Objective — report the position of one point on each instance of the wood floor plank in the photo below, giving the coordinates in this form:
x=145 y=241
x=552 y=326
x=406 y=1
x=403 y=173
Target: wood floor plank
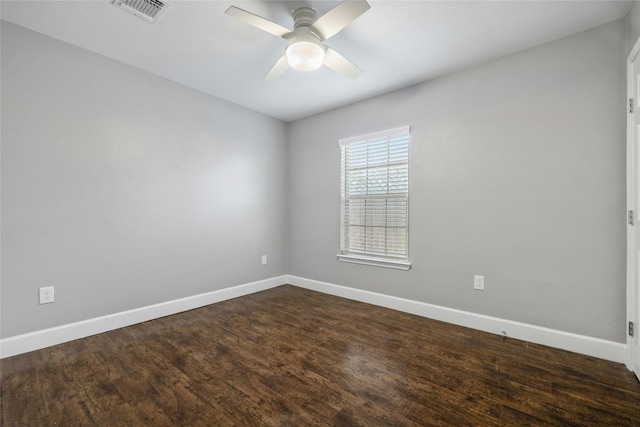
x=293 y=357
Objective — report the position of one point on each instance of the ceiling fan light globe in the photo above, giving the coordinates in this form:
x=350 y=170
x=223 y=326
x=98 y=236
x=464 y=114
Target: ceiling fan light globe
x=305 y=55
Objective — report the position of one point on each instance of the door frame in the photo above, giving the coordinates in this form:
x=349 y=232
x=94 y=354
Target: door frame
x=632 y=356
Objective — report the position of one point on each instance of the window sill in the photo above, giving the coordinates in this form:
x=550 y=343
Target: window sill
x=376 y=262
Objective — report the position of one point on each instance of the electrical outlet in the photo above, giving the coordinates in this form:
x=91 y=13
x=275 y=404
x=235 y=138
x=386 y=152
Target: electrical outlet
x=46 y=295
x=264 y=260
x=478 y=283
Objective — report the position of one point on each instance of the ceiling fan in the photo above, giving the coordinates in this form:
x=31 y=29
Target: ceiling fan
x=305 y=49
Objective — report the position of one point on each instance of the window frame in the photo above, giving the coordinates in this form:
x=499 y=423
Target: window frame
x=344 y=253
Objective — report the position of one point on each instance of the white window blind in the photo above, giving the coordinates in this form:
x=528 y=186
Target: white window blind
x=374 y=214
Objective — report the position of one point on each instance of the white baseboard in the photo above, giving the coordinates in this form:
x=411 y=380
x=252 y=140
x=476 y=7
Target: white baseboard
x=595 y=347
x=47 y=337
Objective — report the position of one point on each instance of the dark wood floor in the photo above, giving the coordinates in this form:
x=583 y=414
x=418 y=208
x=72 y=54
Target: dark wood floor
x=292 y=357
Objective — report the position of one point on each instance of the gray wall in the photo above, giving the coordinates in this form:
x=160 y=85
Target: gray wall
x=123 y=189
x=633 y=25
x=517 y=172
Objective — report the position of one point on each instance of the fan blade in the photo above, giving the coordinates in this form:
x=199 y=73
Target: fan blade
x=339 y=63
x=258 y=22
x=339 y=17
x=278 y=69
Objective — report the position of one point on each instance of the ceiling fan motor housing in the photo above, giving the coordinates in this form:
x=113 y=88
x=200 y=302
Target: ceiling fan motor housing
x=304 y=17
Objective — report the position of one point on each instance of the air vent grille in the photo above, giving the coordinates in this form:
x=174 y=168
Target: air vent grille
x=149 y=10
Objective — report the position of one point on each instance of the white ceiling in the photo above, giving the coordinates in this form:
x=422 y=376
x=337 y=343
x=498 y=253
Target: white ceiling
x=396 y=43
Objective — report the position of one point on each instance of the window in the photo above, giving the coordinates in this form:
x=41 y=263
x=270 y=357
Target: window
x=374 y=208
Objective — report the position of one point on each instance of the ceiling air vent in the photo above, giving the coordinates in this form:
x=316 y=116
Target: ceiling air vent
x=149 y=10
